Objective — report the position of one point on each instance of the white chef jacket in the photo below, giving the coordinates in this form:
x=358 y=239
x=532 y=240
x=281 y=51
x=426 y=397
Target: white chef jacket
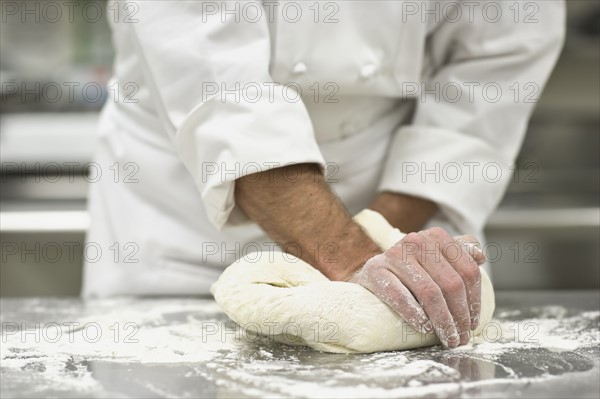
x=424 y=98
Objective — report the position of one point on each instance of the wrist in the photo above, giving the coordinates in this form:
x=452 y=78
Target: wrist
x=352 y=252
x=405 y=212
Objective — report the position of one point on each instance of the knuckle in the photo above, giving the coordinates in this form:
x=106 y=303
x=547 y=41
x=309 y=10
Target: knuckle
x=395 y=251
x=417 y=238
x=454 y=285
x=410 y=237
x=372 y=266
x=409 y=246
x=437 y=232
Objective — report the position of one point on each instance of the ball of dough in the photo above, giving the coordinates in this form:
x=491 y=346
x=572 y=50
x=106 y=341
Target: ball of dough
x=280 y=296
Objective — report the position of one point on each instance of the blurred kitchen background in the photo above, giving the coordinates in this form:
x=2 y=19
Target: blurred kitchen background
x=545 y=235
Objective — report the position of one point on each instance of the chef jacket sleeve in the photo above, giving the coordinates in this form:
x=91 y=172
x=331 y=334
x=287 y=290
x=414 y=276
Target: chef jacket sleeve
x=459 y=148
x=207 y=65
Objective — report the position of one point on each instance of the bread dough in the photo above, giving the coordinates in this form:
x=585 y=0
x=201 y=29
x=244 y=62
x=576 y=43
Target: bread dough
x=278 y=295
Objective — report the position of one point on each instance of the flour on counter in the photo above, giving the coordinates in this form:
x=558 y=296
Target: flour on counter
x=195 y=336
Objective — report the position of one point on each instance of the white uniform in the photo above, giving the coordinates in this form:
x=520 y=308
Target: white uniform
x=410 y=97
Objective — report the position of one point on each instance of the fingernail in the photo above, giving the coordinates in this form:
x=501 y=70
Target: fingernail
x=453 y=341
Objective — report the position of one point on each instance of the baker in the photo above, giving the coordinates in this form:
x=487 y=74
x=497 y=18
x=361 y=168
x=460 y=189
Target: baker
x=235 y=129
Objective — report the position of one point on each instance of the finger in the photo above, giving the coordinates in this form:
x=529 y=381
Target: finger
x=449 y=280
x=466 y=268
x=386 y=286
x=472 y=246
x=424 y=289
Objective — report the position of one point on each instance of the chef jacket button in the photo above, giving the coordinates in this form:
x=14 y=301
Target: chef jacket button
x=368 y=70
x=299 y=68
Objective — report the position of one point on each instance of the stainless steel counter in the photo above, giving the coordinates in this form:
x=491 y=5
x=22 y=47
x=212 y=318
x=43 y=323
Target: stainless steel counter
x=540 y=344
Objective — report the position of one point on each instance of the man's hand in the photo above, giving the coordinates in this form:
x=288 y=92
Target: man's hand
x=432 y=281
x=427 y=278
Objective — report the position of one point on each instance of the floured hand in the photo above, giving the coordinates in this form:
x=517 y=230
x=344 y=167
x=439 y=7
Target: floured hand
x=432 y=281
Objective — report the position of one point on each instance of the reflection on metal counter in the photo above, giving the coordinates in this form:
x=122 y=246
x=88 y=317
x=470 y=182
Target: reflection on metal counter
x=540 y=344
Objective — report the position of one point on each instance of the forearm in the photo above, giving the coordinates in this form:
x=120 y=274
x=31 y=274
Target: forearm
x=298 y=210
x=405 y=212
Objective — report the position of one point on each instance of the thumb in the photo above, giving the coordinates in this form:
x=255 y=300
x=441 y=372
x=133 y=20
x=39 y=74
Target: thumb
x=472 y=246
